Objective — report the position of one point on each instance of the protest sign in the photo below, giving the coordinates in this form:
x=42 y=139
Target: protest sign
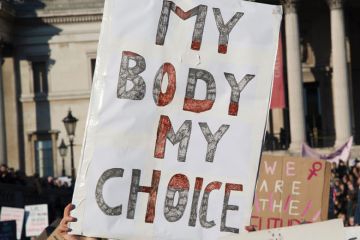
x=8 y=230
x=352 y=233
x=328 y=230
x=172 y=141
x=17 y=214
x=289 y=191
x=37 y=219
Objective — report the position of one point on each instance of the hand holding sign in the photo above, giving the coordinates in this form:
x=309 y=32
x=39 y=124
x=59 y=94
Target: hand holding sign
x=63 y=228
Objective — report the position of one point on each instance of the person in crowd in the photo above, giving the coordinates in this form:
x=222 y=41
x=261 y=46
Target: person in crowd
x=10 y=176
x=4 y=174
x=346 y=184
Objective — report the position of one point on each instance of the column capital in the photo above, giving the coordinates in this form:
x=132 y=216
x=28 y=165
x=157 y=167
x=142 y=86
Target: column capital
x=290 y=6
x=335 y=4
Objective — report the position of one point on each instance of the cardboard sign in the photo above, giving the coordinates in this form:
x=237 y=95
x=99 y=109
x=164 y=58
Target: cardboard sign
x=17 y=214
x=352 y=233
x=290 y=191
x=172 y=142
x=8 y=230
x=37 y=219
x=328 y=230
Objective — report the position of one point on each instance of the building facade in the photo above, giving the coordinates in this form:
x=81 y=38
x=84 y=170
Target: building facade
x=321 y=51
x=48 y=54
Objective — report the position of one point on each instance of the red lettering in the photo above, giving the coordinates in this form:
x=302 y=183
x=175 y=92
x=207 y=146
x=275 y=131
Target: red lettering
x=165 y=98
x=198 y=106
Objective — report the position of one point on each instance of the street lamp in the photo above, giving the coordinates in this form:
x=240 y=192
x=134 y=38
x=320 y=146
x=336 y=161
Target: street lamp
x=63 y=152
x=70 y=125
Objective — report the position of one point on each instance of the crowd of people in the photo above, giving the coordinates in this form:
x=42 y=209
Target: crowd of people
x=10 y=176
x=344 y=199
x=345 y=194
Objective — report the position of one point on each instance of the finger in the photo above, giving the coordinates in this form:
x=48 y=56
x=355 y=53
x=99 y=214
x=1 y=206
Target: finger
x=69 y=219
x=63 y=229
x=68 y=209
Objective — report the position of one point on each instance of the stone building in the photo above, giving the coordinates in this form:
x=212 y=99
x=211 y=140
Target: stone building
x=48 y=51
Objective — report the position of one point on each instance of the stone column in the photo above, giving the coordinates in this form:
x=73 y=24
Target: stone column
x=2 y=110
x=294 y=75
x=340 y=84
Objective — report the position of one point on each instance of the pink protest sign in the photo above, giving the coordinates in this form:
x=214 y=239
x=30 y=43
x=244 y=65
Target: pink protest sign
x=290 y=191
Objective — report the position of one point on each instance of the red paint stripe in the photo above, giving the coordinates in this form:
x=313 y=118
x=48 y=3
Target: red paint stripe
x=179 y=182
x=164 y=126
x=197 y=106
x=316 y=216
x=165 y=98
x=222 y=48
x=233 y=108
x=198 y=184
x=308 y=206
x=287 y=203
x=271 y=201
x=213 y=186
x=233 y=187
x=183 y=15
x=128 y=53
x=150 y=210
x=195 y=45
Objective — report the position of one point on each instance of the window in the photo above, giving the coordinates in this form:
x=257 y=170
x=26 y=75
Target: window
x=43 y=158
x=40 y=77
x=93 y=64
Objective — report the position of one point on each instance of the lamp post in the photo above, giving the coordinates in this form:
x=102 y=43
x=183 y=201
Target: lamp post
x=70 y=125
x=63 y=152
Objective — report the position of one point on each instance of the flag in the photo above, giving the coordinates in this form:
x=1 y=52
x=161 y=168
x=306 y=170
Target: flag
x=342 y=153
x=278 y=97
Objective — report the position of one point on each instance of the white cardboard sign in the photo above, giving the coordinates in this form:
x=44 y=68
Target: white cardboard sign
x=37 y=219
x=176 y=120
x=329 y=230
x=17 y=214
x=352 y=233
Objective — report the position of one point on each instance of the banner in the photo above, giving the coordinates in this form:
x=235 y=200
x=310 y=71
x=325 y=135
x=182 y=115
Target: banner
x=328 y=230
x=283 y=193
x=17 y=214
x=342 y=153
x=37 y=219
x=172 y=141
x=278 y=94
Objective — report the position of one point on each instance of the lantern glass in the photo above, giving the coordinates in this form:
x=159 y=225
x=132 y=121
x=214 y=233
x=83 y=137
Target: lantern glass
x=70 y=124
x=63 y=149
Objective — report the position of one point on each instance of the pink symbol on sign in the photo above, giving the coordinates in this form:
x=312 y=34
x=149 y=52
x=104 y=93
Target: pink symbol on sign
x=316 y=167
